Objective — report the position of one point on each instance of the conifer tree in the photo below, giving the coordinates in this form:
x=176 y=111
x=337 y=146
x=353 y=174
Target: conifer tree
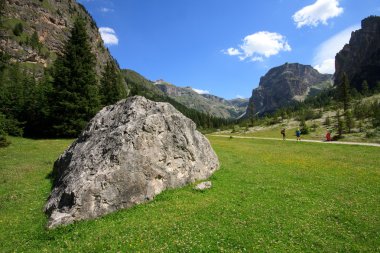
x=350 y=123
x=340 y=125
x=74 y=99
x=344 y=90
x=112 y=87
x=365 y=88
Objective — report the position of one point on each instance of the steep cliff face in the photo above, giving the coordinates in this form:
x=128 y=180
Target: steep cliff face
x=284 y=84
x=50 y=22
x=206 y=103
x=360 y=59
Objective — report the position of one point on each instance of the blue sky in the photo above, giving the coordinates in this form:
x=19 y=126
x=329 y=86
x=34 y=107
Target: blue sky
x=222 y=46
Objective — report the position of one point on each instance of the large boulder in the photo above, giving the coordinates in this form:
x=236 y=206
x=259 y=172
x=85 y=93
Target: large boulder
x=129 y=153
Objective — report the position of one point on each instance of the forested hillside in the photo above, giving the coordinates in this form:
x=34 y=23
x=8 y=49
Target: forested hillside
x=139 y=85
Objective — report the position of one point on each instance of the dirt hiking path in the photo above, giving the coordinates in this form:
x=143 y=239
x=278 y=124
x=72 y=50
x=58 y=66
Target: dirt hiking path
x=303 y=140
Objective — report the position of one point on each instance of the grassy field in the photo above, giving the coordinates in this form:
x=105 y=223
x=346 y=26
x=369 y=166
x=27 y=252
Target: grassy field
x=268 y=196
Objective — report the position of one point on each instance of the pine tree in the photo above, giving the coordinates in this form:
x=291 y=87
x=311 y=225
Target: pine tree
x=344 y=92
x=35 y=42
x=327 y=121
x=112 y=87
x=2 y=14
x=74 y=99
x=304 y=127
x=340 y=125
x=37 y=108
x=350 y=123
x=376 y=114
x=365 y=88
x=18 y=29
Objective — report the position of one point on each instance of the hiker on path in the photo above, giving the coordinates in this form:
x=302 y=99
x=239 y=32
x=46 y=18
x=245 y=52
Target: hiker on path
x=328 y=136
x=283 y=133
x=298 y=134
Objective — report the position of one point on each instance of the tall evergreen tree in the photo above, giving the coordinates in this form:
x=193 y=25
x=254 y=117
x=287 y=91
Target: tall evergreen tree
x=365 y=88
x=344 y=92
x=75 y=98
x=112 y=87
x=2 y=15
x=340 y=123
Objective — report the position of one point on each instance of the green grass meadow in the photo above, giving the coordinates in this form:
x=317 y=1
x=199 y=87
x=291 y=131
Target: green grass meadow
x=268 y=196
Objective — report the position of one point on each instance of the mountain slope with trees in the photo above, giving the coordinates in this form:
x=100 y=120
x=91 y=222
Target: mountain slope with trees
x=141 y=86
x=57 y=98
x=35 y=31
x=206 y=103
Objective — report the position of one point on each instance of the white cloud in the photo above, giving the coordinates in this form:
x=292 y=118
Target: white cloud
x=326 y=67
x=324 y=58
x=201 y=91
x=109 y=36
x=105 y=10
x=318 y=12
x=232 y=51
x=259 y=45
x=239 y=96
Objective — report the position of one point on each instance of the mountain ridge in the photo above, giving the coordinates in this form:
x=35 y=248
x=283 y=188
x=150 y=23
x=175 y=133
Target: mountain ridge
x=206 y=103
x=286 y=83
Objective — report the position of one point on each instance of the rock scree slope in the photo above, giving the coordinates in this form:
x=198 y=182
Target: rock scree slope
x=128 y=153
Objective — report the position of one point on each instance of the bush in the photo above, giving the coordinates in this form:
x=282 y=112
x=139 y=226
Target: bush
x=376 y=114
x=9 y=126
x=327 y=121
x=3 y=140
x=18 y=29
x=304 y=127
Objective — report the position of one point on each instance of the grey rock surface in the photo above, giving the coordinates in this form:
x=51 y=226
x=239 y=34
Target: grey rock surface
x=360 y=58
x=285 y=84
x=52 y=20
x=203 y=186
x=129 y=153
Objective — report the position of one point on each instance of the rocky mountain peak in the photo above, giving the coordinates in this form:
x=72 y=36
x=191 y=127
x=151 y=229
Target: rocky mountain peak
x=283 y=84
x=360 y=58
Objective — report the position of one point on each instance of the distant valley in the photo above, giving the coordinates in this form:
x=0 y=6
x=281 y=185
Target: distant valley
x=206 y=103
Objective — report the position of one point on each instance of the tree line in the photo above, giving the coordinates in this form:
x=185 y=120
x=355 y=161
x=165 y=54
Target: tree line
x=67 y=96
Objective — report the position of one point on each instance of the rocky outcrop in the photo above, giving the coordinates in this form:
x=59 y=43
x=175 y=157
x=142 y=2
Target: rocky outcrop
x=284 y=84
x=129 y=153
x=52 y=20
x=206 y=103
x=360 y=59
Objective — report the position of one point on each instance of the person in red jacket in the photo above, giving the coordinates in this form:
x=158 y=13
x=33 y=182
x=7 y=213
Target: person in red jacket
x=328 y=136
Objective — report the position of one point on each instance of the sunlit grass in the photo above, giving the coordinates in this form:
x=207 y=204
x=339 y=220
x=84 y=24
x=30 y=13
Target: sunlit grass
x=267 y=196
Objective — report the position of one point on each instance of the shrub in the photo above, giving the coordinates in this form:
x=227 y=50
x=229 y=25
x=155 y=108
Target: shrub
x=327 y=121
x=304 y=127
x=3 y=140
x=9 y=126
x=18 y=29
x=376 y=114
